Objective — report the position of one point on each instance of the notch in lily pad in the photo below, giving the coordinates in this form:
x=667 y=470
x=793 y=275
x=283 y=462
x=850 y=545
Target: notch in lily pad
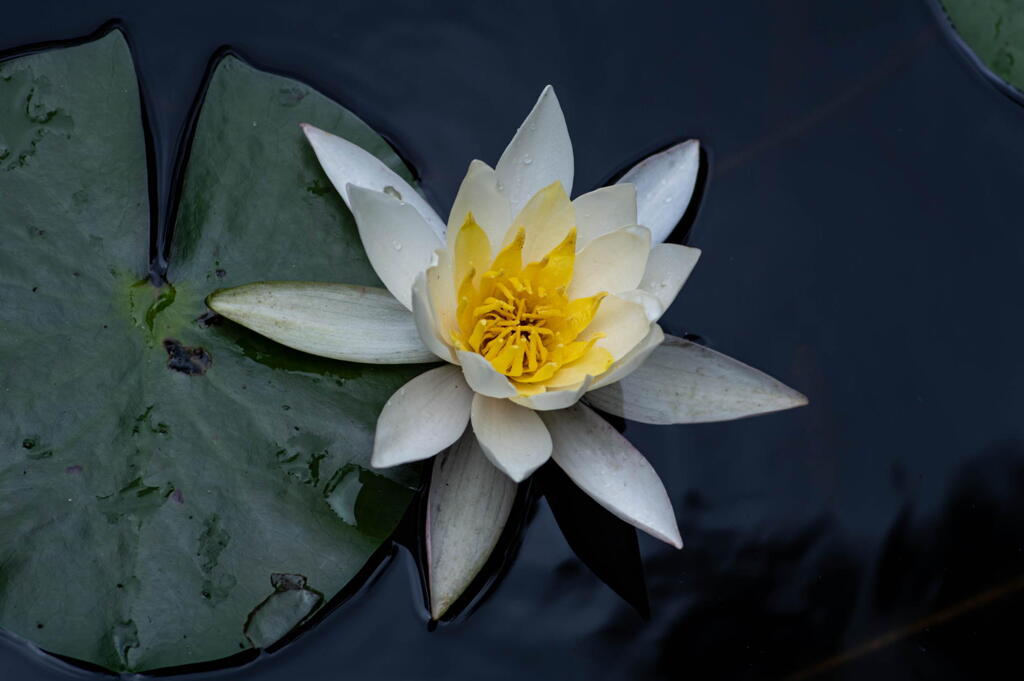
x=163 y=497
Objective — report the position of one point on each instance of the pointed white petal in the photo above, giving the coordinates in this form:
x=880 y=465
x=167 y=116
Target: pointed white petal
x=539 y=154
x=346 y=163
x=611 y=263
x=668 y=268
x=426 y=324
x=682 y=382
x=604 y=210
x=467 y=508
x=513 y=437
x=608 y=468
x=555 y=399
x=339 y=321
x=397 y=241
x=633 y=359
x=483 y=378
x=423 y=417
x=664 y=186
x=479 y=195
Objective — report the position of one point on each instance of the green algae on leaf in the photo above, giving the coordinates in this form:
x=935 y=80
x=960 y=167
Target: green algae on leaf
x=145 y=499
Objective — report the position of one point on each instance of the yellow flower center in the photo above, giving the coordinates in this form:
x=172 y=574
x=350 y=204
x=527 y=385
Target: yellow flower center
x=519 y=317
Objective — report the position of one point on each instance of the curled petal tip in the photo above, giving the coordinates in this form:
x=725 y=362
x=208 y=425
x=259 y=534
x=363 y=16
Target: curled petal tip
x=664 y=184
x=516 y=476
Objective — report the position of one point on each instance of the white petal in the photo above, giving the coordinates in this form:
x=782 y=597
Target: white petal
x=483 y=378
x=555 y=399
x=397 y=241
x=664 y=186
x=441 y=290
x=539 y=154
x=513 y=437
x=340 y=321
x=648 y=301
x=422 y=417
x=604 y=210
x=633 y=360
x=479 y=195
x=346 y=163
x=608 y=468
x=623 y=323
x=611 y=263
x=426 y=325
x=668 y=268
x=682 y=382
x=467 y=508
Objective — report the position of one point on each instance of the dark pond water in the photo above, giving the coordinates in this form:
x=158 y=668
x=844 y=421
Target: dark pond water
x=863 y=241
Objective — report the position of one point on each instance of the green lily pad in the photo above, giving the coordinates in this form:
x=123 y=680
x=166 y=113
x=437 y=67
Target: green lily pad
x=158 y=470
x=994 y=29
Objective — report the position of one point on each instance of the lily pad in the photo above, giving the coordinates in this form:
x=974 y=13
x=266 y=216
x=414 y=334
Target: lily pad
x=994 y=29
x=159 y=468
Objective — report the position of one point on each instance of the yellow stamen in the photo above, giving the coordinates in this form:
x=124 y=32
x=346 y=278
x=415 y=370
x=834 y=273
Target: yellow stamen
x=518 y=316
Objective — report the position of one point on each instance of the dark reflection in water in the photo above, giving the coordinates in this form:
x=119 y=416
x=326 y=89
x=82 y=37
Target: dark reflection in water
x=862 y=241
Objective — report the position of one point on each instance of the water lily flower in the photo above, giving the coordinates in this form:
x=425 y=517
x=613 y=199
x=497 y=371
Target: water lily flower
x=539 y=305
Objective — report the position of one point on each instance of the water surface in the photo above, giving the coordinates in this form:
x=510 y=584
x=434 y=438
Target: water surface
x=861 y=230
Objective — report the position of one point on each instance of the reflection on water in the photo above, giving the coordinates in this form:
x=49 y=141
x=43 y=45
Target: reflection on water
x=860 y=226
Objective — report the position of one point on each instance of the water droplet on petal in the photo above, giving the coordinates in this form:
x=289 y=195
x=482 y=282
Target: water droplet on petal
x=397 y=245
x=391 y=191
x=527 y=159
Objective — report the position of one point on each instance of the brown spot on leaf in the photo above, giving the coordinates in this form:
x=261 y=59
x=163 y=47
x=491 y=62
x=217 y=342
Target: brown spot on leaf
x=190 y=361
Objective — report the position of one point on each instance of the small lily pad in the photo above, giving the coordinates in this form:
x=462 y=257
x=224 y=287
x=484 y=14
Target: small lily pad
x=158 y=465
x=994 y=29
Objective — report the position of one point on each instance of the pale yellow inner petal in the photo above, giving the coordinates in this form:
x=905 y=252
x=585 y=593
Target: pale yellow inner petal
x=546 y=218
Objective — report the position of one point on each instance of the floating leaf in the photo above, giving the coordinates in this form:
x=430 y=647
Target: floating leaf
x=994 y=29
x=158 y=467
